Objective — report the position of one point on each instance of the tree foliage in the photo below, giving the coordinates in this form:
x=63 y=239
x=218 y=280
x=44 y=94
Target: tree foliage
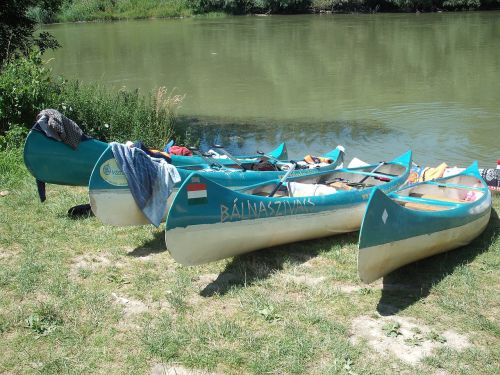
x=18 y=27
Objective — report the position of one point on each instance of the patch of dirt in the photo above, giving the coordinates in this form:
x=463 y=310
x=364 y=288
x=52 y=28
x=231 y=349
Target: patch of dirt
x=213 y=283
x=411 y=340
x=130 y=306
x=304 y=279
x=91 y=262
x=395 y=287
x=162 y=369
x=346 y=288
x=213 y=308
x=204 y=280
x=315 y=281
x=311 y=262
x=10 y=255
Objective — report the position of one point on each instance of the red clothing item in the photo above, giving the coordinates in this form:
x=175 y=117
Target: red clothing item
x=180 y=150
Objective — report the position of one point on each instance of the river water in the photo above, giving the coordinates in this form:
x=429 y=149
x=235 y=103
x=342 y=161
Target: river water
x=377 y=84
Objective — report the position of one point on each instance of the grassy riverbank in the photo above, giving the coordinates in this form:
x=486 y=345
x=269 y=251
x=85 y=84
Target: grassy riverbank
x=80 y=297
x=89 y=10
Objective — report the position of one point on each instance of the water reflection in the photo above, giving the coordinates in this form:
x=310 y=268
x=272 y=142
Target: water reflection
x=361 y=138
x=370 y=139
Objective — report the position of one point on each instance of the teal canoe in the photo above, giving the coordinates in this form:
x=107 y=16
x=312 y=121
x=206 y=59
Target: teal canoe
x=235 y=177
x=112 y=201
x=421 y=220
x=208 y=221
x=54 y=162
x=279 y=153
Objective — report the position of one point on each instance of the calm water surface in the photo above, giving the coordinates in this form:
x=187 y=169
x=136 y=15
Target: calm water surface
x=378 y=84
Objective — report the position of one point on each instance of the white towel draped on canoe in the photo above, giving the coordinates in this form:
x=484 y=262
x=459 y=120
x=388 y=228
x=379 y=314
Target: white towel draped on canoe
x=298 y=189
x=150 y=180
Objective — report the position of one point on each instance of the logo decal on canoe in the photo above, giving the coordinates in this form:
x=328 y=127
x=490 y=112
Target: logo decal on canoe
x=112 y=174
x=251 y=210
x=197 y=193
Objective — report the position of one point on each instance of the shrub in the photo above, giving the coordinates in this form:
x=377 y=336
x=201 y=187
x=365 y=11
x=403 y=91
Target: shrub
x=120 y=116
x=86 y=10
x=26 y=87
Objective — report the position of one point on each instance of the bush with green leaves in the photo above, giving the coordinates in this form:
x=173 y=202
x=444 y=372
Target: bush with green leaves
x=86 y=10
x=27 y=87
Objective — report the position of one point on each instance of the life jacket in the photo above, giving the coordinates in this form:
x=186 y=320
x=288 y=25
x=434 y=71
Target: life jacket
x=309 y=159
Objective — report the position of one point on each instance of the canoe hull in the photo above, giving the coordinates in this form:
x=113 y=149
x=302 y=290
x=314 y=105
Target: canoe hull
x=208 y=222
x=210 y=242
x=55 y=162
x=113 y=203
x=376 y=261
x=279 y=153
x=106 y=203
x=421 y=220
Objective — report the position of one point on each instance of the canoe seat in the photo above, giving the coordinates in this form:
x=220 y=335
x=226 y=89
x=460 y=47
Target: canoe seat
x=426 y=202
x=343 y=184
x=423 y=207
x=437 y=198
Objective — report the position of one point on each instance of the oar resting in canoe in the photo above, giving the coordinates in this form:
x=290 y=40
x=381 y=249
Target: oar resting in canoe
x=421 y=220
x=207 y=221
x=112 y=201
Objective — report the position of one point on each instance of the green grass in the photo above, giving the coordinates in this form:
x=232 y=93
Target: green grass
x=78 y=297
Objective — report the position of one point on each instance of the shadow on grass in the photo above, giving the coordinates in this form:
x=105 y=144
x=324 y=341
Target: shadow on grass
x=81 y=211
x=247 y=269
x=416 y=279
x=154 y=246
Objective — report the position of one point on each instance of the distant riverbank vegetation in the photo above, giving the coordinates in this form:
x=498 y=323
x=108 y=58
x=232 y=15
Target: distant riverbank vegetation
x=88 y=10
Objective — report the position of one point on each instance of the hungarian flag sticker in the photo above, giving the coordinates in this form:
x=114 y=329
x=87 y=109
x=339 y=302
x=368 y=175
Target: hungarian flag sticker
x=196 y=192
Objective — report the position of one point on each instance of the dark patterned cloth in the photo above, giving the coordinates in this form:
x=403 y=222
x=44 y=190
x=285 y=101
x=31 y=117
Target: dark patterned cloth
x=60 y=127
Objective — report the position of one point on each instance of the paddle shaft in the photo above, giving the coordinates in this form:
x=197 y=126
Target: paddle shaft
x=210 y=162
x=373 y=171
x=275 y=160
x=283 y=179
x=230 y=156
